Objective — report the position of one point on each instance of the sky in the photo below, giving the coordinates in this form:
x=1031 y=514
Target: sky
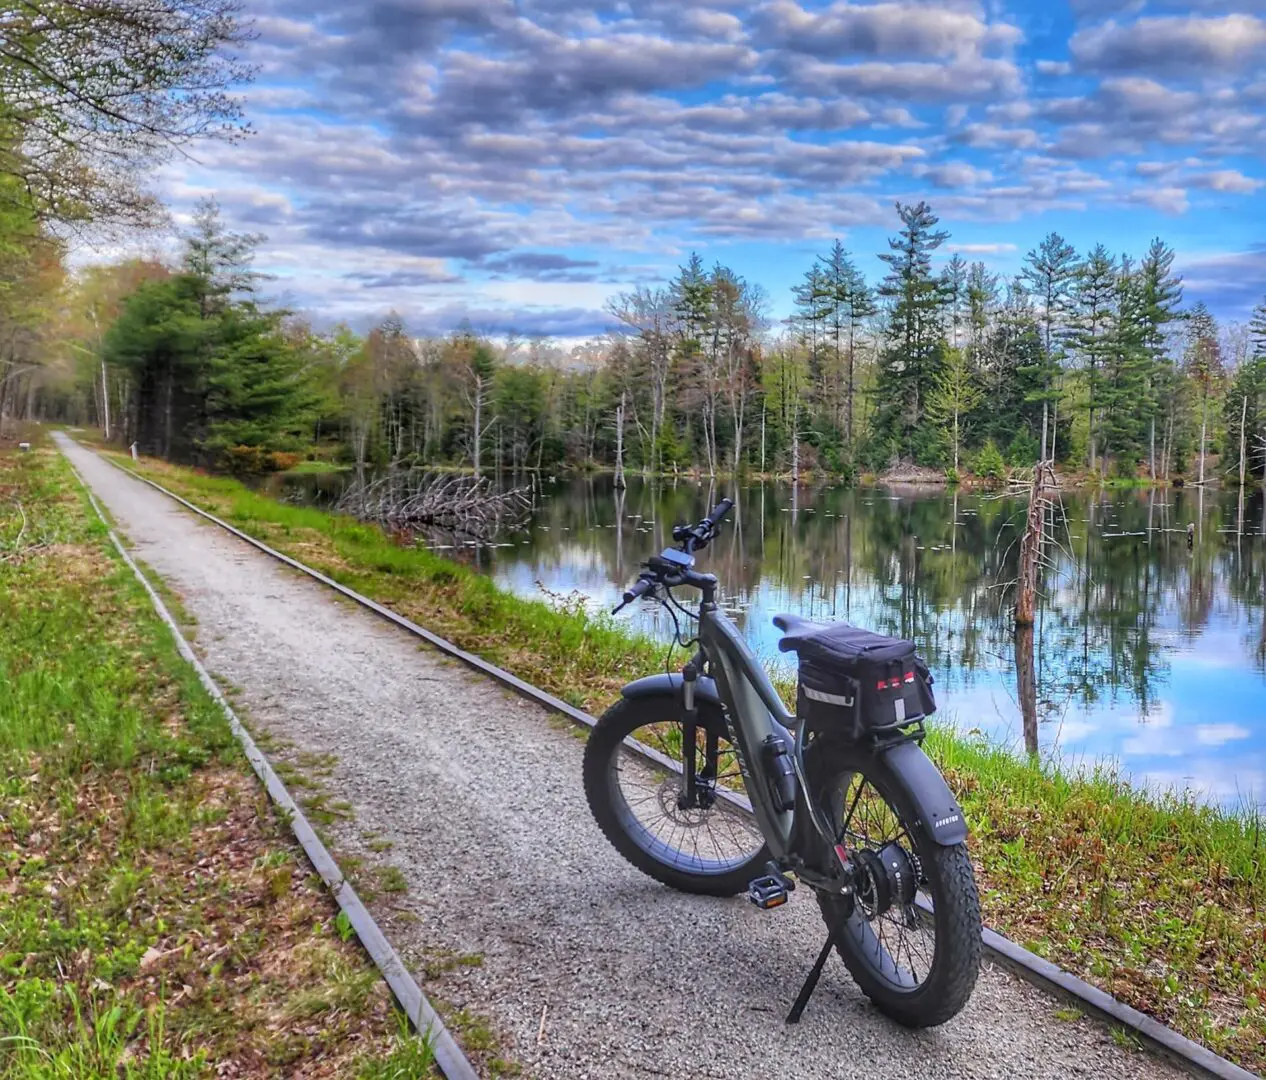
x=516 y=165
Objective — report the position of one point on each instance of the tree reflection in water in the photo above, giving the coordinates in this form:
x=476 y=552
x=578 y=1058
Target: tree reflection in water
x=1128 y=616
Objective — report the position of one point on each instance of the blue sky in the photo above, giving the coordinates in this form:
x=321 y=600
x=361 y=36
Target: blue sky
x=519 y=164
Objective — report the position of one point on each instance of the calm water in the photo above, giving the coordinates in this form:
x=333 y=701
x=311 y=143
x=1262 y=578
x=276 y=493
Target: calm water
x=1147 y=652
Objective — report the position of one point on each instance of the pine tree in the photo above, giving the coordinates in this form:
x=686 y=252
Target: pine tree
x=982 y=300
x=219 y=258
x=692 y=300
x=845 y=300
x=1244 y=411
x=954 y=287
x=1128 y=373
x=257 y=393
x=915 y=347
x=1257 y=330
x=1160 y=293
x=1203 y=363
x=1092 y=334
x=1050 y=272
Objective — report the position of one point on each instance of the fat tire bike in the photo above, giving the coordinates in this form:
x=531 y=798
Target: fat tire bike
x=838 y=801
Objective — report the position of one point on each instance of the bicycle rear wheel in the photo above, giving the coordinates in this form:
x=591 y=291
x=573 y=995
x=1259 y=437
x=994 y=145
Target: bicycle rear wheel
x=712 y=848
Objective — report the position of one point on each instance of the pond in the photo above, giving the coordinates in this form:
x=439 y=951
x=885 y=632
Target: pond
x=1149 y=651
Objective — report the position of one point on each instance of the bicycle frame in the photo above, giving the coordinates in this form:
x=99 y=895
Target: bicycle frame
x=756 y=711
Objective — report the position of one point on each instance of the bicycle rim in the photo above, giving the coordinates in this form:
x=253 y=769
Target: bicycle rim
x=708 y=840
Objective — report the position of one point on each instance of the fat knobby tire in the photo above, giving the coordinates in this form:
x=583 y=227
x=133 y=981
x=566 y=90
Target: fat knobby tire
x=952 y=884
x=617 y=723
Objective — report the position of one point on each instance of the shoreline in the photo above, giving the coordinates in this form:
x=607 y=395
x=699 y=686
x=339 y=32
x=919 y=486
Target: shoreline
x=925 y=480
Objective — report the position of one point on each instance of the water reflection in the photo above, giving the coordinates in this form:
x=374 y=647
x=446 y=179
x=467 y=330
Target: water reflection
x=1145 y=650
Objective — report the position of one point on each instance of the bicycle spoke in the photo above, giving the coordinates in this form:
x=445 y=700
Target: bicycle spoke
x=711 y=838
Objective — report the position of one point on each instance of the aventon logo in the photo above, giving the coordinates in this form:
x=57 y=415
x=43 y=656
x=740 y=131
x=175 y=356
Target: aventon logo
x=945 y=821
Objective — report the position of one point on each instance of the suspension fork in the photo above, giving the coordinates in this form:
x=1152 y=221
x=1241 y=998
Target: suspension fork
x=694 y=793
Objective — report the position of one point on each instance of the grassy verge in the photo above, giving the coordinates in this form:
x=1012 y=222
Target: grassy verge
x=1158 y=900
x=156 y=919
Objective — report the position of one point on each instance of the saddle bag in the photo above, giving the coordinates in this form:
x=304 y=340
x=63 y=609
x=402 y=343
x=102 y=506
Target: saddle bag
x=854 y=682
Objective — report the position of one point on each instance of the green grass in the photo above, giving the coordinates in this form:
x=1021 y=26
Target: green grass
x=153 y=919
x=1153 y=897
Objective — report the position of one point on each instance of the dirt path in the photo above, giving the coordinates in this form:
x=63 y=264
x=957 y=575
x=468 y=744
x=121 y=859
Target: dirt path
x=479 y=793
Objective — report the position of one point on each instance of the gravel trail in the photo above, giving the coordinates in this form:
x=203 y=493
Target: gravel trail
x=479 y=793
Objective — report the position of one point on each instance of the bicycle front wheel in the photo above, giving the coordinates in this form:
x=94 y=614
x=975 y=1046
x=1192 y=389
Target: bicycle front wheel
x=913 y=940
x=711 y=847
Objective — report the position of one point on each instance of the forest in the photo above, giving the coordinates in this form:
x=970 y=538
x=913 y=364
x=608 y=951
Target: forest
x=1090 y=359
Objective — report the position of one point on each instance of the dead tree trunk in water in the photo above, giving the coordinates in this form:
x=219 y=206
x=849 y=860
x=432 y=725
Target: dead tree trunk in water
x=1243 y=441
x=1031 y=543
x=619 y=443
x=1026 y=598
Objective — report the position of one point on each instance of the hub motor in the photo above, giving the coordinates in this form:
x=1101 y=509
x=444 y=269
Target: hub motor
x=885 y=877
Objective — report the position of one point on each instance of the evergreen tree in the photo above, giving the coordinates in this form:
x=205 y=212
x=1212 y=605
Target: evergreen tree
x=1128 y=373
x=1244 y=411
x=1010 y=371
x=954 y=397
x=915 y=345
x=982 y=301
x=691 y=294
x=1203 y=364
x=813 y=307
x=220 y=259
x=1257 y=330
x=954 y=289
x=1050 y=272
x=1092 y=333
x=845 y=302
x=1159 y=294
x=257 y=395
x=159 y=342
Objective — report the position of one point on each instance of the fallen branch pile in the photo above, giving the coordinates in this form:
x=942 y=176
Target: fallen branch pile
x=460 y=504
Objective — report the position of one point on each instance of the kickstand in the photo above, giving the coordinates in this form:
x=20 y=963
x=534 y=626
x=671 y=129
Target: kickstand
x=811 y=983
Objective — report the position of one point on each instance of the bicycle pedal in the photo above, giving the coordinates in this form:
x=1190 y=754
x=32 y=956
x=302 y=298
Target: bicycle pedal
x=769 y=891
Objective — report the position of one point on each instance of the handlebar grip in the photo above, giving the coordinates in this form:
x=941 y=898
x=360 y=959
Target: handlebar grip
x=642 y=587
x=719 y=511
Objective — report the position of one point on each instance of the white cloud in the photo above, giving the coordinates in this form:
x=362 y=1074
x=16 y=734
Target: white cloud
x=1226 y=180
x=1168 y=200
x=980 y=249
x=1189 y=44
x=884 y=29
x=957 y=174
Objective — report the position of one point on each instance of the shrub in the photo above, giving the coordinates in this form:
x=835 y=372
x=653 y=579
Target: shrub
x=989 y=463
x=1023 y=451
x=281 y=460
x=253 y=460
x=243 y=460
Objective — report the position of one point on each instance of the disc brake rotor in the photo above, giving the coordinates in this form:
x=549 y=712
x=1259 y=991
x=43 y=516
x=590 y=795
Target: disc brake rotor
x=667 y=796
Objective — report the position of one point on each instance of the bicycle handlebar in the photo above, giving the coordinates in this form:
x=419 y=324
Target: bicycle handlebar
x=692 y=539
x=718 y=512
x=643 y=586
